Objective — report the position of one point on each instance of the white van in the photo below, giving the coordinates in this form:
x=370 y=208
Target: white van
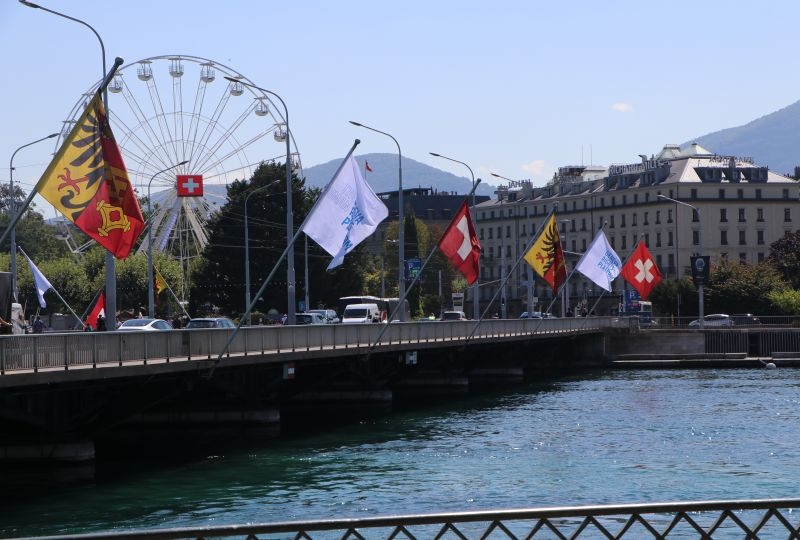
x=361 y=313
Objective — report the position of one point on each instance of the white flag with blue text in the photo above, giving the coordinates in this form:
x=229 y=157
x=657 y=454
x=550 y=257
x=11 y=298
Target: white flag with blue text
x=347 y=212
x=600 y=263
x=41 y=282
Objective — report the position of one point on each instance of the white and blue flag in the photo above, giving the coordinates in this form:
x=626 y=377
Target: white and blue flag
x=600 y=263
x=347 y=212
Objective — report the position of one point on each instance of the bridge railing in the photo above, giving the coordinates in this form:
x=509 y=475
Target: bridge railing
x=768 y=518
x=35 y=352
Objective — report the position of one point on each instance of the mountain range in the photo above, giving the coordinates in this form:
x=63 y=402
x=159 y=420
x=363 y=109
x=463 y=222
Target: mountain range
x=772 y=140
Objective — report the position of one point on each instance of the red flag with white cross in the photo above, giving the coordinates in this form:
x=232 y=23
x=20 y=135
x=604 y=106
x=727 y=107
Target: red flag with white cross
x=190 y=185
x=641 y=271
x=460 y=244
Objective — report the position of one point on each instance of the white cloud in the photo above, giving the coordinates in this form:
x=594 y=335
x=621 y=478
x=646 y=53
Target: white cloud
x=622 y=107
x=535 y=168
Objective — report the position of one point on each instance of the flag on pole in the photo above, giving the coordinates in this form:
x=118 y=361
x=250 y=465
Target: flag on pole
x=600 y=263
x=160 y=282
x=460 y=244
x=347 y=212
x=367 y=167
x=88 y=183
x=546 y=255
x=40 y=282
x=641 y=271
x=98 y=309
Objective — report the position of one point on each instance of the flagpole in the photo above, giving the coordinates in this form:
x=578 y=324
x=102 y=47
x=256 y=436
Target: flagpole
x=54 y=290
x=175 y=296
x=290 y=246
x=15 y=218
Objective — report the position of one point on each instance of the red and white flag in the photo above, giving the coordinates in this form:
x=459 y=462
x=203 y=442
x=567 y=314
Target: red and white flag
x=460 y=243
x=98 y=309
x=367 y=167
x=641 y=271
x=190 y=185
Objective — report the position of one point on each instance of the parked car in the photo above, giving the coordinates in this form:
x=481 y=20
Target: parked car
x=454 y=316
x=745 y=319
x=210 y=322
x=309 y=318
x=715 y=319
x=144 y=325
x=329 y=315
x=537 y=315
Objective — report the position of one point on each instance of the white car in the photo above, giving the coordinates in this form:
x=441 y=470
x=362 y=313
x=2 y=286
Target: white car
x=310 y=318
x=144 y=325
x=329 y=315
x=715 y=319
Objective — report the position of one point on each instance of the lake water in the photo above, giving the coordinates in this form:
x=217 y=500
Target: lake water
x=603 y=438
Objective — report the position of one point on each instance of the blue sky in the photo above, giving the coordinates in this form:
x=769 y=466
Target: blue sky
x=516 y=88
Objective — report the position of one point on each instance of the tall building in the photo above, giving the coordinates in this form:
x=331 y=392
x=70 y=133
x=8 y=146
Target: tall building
x=728 y=207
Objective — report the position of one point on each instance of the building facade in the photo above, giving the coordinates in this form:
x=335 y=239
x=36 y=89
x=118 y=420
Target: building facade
x=729 y=207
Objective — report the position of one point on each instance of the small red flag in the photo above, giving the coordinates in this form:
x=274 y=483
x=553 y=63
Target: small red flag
x=98 y=309
x=190 y=185
x=367 y=167
x=641 y=271
x=460 y=243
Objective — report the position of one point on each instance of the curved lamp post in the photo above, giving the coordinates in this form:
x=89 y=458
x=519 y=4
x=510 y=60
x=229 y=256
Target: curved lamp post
x=247 y=252
x=11 y=209
x=700 y=299
x=475 y=298
x=110 y=261
x=151 y=310
x=401 y=226
x=290 y=283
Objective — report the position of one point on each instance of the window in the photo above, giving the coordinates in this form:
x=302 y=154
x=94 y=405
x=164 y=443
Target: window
x=669 y=215
x=740 y=194
x=499 y=232
x=624 y=200
x=583 y=224
x=646 y=222
x=669 y=238
x=481 y=233
x=741 y=215
x=722 y=194
x=523 y=230
x=693 y=193
x=785 y=194
x=634 y=219
x=760 y=238
x=491 y=253
x=583 y=244
x=723 y=214
x=658 y=239
x=742 y=238
x=695 y=238
x=508 y=231
x=624 y=242
x=695 y=216
x=622 y=220
x=647 y=238
x=759 y=214
x=758 y=194
x=611 y=223
x=490 y=235
x=508 y=251
x=787 y=215
x=658 y=217
x=723 y=238
x=671 y=261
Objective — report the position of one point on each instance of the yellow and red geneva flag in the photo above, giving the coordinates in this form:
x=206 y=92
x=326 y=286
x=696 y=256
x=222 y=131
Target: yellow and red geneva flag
x=546 y=256
x=88 y=183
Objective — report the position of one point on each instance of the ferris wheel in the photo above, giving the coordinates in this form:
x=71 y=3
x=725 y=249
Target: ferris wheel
x=167 y=110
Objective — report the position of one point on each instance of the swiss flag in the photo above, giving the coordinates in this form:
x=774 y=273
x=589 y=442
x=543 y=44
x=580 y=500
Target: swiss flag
x=190 y=185
x=641 y=271
x=460 y=243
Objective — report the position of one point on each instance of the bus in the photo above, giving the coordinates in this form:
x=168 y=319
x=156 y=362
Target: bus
x=386 y=305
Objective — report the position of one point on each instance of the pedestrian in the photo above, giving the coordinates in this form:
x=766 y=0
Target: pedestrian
x=101 y=323
x=38 y=326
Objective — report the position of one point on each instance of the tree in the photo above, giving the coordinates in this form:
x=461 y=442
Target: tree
x=785 y=257
x=742 y=288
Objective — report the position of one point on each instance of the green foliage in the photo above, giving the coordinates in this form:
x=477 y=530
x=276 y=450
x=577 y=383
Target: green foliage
x=675 y=297
x=785 y=257
x=742 y=288
x=785 y=302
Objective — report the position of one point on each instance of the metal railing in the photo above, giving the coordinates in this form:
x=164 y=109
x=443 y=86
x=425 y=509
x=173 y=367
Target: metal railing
x=36 y=352
x=751 y=519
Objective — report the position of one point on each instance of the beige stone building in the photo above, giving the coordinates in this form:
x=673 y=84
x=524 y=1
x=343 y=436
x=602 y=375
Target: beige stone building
x=729 y=207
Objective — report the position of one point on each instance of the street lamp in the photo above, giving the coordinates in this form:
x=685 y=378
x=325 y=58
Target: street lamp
x=700 y=302
x=290 y=284
x=110 y=261
x=247 y=252
x=151 y=310
x=400 y=227
x=11 y=205
x=475 y=307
